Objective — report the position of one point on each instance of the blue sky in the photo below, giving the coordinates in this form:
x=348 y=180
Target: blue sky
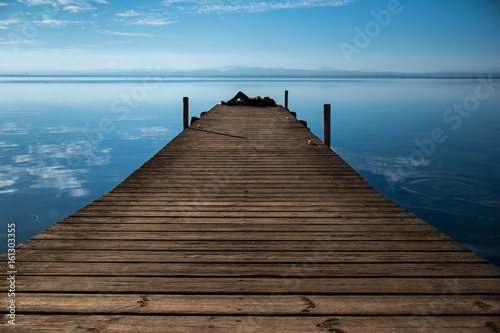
x=405 y=35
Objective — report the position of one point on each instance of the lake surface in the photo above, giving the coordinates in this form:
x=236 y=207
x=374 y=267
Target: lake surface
x=430 y=145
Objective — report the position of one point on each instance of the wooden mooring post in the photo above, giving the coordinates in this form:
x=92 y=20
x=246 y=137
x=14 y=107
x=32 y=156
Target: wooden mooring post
x=286 y=99
x=327 y=125
x=185 y=101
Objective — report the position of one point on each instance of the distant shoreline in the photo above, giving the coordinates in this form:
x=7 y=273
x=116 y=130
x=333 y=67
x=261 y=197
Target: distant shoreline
x=166 y=77
x=243 y=72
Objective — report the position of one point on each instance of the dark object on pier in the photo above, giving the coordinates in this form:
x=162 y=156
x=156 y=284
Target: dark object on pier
x=193 y=119
x=242 y=99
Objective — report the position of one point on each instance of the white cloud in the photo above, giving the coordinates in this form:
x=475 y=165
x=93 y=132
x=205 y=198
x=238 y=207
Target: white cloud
x=114 y=42
x=152 y=21
x=5 y=144
x=57 y=177
x=143 y=18
x=130 y=34
x=22 y=158
x=78 y=9
x=39 y=2
x=82 y=47
x=5 y=23
x=3 y=4
x=13 y=128
x=79 y=192
x=73 y=6
x=56 y=23
x=251 y=6
x=69 y=50
x=254 y=7
x=18 y=41
x=60 y=130
x=53 y=3
x=9 y=191
x=45 y=164
x=7 y=180
x=170 y=2
x=128 y=13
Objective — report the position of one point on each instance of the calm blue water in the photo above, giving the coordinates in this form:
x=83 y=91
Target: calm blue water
x=67 y=141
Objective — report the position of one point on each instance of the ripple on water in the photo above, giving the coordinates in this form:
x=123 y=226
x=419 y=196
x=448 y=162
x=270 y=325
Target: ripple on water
x=445 y=186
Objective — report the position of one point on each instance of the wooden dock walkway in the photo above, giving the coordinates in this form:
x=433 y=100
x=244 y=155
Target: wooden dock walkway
x=247 y=222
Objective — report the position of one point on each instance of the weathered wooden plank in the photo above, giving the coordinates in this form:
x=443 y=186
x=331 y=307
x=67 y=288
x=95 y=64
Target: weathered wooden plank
x=283 y=324
x=117 y=283
x=238 y=214
x=114 y=201
x=242 y=236
x=241 y=227
x=194 y=171
x=248 y=188
x=270 y=206
x=312 y=212
x=323 y=244
x=308 y=268
x=269 y=256
x=160 y=208
x=254 y=220
x=158 y=182
x=457 y=305
x=203 y=193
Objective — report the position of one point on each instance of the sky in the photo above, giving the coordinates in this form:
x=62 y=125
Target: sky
x=384 y=35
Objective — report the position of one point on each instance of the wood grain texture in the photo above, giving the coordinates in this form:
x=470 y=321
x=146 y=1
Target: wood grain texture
x=247 y=222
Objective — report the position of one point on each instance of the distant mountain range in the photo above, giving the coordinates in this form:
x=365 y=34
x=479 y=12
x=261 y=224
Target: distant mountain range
x=260 y=72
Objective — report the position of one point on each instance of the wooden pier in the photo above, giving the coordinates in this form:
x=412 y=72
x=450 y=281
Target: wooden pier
x=247 y=222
